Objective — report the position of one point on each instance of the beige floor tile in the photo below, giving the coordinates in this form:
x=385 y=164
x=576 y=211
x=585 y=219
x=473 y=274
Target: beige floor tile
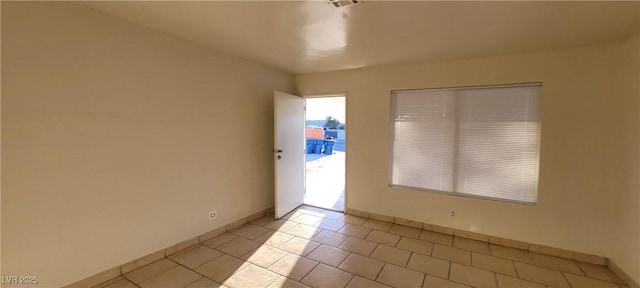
x=392 y=255
x=355 y=220
x=250 y=231
x=135 y=264
x=436 y=237
x=472 y=276
x=333 y=215
x=510 y=282
x=327 y=276
x=405 y=231
x=452 y=254
x=293 y=266
x=328 y=255
x=415 y=245
x=270 y=252
x=122 y=283
x=306 y=219
x=331 y=225
x=330 y=238
x=297 y=213
x=284 y=282
x=251 y=276
x=263 y=221
x=541 y=275
x=150 y=270
x=556 y=263
x=112 y=281
x=219 y=240
x=238 y=247
x=196 y=256
x=360 y=246
x=359 y=282
x=220 y=268
x=378 y=225
x=436 y=282
x=264 y=256
x=361 y=265
x=178 y=277
x=311 y=210
x=383 y=237
x=304 y=231
x=471 y=245
x=582 y=281
x=600 y=272
x=511 y=253
x=299 y=246
x=397 y=276
x=182 y=246
x=274 y=238
x=205 y=283
x=281 y=225
x=355 y=230
x=492 y=263
x=429 y=265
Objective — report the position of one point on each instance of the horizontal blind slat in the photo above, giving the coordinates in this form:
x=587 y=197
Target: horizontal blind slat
x=485 y=138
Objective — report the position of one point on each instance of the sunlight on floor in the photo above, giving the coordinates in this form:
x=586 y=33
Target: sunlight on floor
x=325 y=180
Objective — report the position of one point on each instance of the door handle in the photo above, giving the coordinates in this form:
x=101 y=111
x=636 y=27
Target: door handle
x=279 y=157
x=280 y=151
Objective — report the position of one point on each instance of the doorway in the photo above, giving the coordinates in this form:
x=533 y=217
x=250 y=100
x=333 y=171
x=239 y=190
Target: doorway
x=325 y=135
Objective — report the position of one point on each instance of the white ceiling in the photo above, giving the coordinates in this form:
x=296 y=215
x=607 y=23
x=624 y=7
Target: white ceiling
x=311 y=36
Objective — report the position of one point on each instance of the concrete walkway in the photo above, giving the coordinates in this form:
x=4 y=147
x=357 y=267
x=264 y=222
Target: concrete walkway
x=325 y=180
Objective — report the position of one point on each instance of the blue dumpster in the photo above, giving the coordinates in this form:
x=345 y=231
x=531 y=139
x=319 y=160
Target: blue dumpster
x=317 y=148
x=328 y=146
x=310 y=143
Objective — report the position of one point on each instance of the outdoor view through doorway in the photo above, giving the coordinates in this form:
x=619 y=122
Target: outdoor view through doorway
x=325 y=158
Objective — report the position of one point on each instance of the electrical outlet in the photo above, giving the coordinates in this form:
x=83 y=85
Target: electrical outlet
x=213 y=215
x=453 y=213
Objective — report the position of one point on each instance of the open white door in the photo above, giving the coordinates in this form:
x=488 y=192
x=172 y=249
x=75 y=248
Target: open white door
x=288 y=152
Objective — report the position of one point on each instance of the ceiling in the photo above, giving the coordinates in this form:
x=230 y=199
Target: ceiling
x=311 y=36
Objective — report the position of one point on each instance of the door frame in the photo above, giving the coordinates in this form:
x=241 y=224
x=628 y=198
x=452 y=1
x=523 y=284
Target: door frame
x=346 y=140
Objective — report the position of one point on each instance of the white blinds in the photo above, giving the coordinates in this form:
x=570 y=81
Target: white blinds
x=480 y=141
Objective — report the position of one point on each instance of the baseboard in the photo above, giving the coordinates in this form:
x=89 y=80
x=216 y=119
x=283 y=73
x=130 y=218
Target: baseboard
x=622 y=275
x=103 y=276
x=583 y=257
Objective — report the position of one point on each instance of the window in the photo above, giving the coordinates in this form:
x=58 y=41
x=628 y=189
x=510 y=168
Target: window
x=473 y=141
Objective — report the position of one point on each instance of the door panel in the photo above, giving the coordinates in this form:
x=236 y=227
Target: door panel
x=288 y=152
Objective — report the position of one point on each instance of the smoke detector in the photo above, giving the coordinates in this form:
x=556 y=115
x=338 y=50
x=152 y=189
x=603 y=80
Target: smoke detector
x=343 y=3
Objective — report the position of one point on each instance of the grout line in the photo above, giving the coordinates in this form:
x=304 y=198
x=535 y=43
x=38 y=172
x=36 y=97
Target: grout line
x=350 y=280
x=513 y=264
x=566 y=279
x=377 y=245
x=308 y=272
x=424 y=278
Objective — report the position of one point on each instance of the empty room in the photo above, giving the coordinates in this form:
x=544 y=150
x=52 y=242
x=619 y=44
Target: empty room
x=162 y=144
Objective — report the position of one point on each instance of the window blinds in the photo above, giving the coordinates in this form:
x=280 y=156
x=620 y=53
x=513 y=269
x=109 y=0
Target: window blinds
x=478 y=141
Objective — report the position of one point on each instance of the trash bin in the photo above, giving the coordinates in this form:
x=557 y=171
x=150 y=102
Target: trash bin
x=317 y=148
x=310 y=143
x=328 y=146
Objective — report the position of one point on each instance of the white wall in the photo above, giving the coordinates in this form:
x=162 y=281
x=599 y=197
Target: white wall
x=117 y=140
x=626 y=248
x=588 y=186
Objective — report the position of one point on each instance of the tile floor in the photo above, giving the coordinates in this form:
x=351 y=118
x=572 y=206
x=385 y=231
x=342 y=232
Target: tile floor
x=312 y=247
